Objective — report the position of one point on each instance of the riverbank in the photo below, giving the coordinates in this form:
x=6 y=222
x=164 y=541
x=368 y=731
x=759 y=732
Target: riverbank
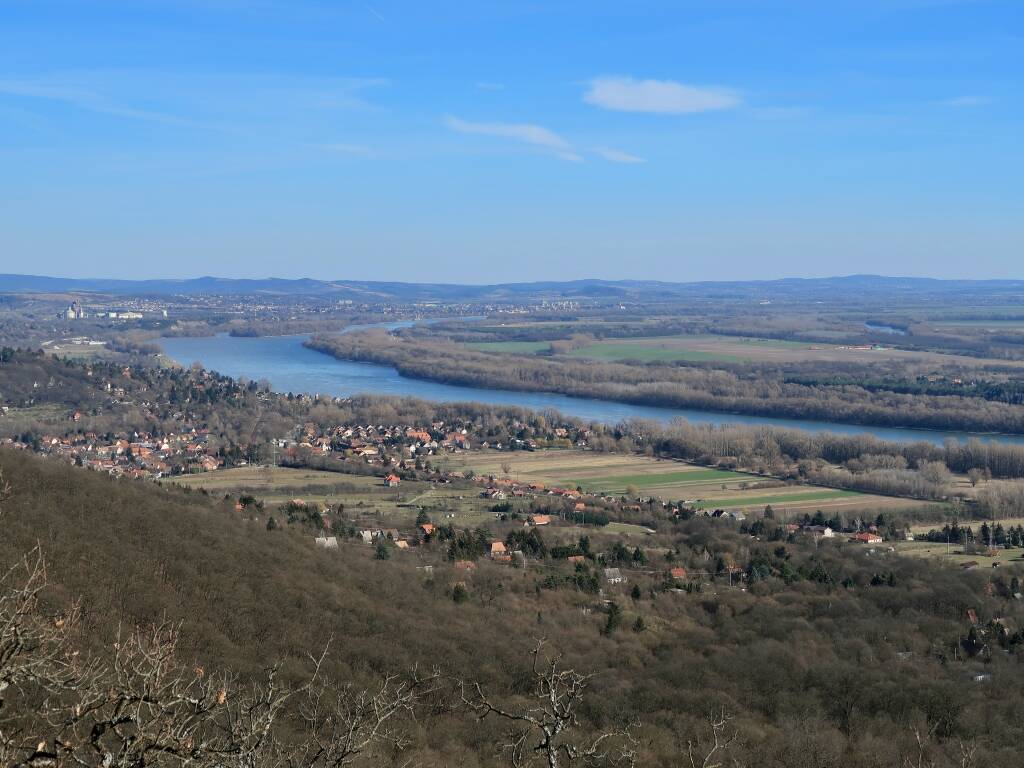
x=291 y=367
x=671 y=387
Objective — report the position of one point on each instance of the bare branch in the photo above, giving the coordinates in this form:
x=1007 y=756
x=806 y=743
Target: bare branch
x=712 y=755
x=546 y=731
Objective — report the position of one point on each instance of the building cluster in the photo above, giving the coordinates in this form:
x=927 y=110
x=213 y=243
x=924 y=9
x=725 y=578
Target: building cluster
x=75 y=311
x=869 y=535
x=136 y=455
x=406 y=447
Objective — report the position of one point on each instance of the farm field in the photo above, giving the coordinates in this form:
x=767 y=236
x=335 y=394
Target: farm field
x=798 y=497
x=518 y=347
x=366 y=500
x=956 y=556
x=993 y=324
x=700 y=348
x=671 y=481
x=365 y=497
x=727 y=349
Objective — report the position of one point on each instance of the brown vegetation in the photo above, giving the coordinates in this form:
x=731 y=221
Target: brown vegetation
x=820 y=661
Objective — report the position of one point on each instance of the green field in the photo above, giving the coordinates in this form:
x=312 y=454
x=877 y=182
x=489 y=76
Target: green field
x=1000 y=324
x=612 y=351
x=778 y=498
x=514 y=347
x=619 y=483
x=696 y=348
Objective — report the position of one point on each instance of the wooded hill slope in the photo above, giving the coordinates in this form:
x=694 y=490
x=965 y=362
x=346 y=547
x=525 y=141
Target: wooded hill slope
x=831 y=657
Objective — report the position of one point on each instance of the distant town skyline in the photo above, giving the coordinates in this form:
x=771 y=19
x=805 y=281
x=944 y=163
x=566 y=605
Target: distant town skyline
x=511 y=142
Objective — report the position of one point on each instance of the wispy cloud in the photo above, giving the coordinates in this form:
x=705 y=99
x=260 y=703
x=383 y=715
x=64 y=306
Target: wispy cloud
x=376 y=14
x=339 y=148
x=524 y=133
x=967 y=101
x=86 y=97
x=625 y=94
x=613 y=155
x=203 y=101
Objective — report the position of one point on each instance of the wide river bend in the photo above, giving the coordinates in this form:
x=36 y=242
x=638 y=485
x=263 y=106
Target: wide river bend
x=291 y=367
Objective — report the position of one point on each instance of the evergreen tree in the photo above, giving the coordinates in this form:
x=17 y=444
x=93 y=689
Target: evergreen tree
x=614 y=620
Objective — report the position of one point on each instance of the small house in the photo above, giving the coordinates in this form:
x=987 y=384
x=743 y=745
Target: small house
x=866 y=538
x=614 y=576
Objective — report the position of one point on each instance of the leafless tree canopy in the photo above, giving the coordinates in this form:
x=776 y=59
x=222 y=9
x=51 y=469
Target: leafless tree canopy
x=545 y=729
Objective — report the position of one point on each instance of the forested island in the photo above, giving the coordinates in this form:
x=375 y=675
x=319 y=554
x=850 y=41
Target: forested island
x=754 y=389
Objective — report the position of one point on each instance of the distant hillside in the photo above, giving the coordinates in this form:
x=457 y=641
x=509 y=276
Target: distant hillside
x=361 y=290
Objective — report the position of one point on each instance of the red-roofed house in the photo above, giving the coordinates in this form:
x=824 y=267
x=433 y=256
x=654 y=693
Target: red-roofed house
x=866 y=538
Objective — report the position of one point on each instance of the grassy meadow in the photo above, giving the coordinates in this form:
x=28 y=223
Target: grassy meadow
x=365 y=497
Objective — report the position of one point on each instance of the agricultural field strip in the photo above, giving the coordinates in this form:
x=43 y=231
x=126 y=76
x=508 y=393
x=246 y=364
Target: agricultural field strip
x=670 y=480
x=685 y=477
x=778 y=498
x=664 y=478
x=732 y=349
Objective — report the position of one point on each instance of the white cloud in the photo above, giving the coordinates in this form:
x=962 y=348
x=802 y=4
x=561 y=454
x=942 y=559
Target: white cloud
x=967 y=101
x=526 y=133
x=613 y=155
x=626 y=94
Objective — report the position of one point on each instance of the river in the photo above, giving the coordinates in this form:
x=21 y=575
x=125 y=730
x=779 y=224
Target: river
x=291 y=367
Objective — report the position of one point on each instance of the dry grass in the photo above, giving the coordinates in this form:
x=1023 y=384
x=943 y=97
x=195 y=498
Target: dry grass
x=365 y=498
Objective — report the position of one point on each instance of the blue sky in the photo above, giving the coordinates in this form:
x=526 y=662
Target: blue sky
x=499 y=141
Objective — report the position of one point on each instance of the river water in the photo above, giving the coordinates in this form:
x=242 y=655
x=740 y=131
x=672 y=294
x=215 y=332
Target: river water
x=291 y=367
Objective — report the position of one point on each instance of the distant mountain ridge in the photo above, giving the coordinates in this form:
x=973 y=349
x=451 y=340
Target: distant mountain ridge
x=367 y=290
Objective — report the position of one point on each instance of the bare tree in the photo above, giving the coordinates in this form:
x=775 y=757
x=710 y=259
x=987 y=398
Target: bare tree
x=5 y=490
x=343 y=723
x=37 y=662
x=928 y=754
x=712 y=754
x=142 y=707
x=547 y=729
